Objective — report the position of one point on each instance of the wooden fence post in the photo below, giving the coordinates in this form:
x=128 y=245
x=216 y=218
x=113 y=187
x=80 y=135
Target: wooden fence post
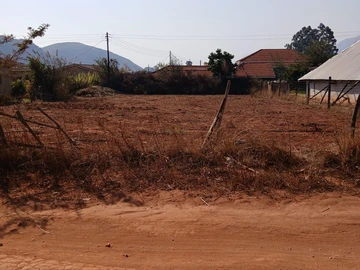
x=354 y=117
x=308 y=93
x=329 y=94
x=217 y=121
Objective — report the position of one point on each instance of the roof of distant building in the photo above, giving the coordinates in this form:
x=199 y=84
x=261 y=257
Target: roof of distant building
x=261 y=63
x=342 y=67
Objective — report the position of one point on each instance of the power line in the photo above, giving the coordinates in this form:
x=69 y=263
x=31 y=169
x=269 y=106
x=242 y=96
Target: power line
x=129 y=48
x=203 y=38
x=73 y=37
x=87 y=37
x=136 y=50
x=224 y=37
x=164 y=59
x=92 y=47
x=137 y=46
x=179 y=56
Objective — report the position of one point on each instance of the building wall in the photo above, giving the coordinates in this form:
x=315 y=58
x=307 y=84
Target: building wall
x=336 y=88
x=5 y=85
x=7 y=77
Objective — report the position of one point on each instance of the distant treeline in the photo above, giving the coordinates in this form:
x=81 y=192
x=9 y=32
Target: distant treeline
x=169 y=83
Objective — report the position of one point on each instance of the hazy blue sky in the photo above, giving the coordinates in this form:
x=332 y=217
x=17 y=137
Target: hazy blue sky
x=144 y=31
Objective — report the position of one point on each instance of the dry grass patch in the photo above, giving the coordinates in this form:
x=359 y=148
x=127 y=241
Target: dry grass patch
x=151 y=146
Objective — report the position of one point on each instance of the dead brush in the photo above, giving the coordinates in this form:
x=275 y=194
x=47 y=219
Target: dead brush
x=347 y=156
x=225 y=167
x=37 y=173
x=252 y=166
x=258 y=154
x=121 y=161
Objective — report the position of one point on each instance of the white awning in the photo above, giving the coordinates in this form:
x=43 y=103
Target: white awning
x=342 y=67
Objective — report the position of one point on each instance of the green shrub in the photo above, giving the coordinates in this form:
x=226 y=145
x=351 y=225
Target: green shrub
x=18 y=89
x=82 y=80
x=47 y=78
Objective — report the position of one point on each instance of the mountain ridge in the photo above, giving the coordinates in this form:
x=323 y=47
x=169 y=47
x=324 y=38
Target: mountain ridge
x=9 y=47
x=79 y=53
x=346 y=43
x=72 y=52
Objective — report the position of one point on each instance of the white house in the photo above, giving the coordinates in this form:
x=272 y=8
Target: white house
x=344 y=70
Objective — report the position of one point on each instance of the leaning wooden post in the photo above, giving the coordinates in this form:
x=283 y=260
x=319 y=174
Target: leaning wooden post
x=217 y=121
x=329 y=94
x=354 y=117
x=23 y=121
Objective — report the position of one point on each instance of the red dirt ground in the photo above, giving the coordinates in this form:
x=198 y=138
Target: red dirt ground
x=319 y=232
x=171 y=230
x=284 y=122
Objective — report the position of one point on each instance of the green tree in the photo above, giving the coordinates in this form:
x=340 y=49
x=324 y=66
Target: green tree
x=291 y=73
x=18 y=89
x=47 y=78
x=160 y=65
x=107 y=75
x=220 y=64
x=318 y=44
x=296 y=71
x=319 y=52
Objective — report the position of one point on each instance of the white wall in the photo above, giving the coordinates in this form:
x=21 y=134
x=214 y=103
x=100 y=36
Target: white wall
x=336 y=88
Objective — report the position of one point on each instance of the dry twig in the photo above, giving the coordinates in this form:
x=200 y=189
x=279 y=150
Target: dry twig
x=41 y=229
x=204 y=201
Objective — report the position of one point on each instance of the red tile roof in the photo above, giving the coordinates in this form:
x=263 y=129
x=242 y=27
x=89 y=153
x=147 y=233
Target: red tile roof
x=193 y=70
x=256 y=70
x=260 y=63
x=197 y=70
x=273 y=55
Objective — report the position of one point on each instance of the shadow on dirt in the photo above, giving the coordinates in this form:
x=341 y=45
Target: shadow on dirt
x=71 y=195
x=18 y=222
x=18 y=202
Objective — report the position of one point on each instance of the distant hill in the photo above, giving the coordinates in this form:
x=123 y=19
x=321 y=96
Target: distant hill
x=346 y=43
x=75 y=52
x=9 y=47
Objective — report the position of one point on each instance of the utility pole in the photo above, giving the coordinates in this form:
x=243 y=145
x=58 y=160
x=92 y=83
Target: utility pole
x=108 y=54
x=170 y=58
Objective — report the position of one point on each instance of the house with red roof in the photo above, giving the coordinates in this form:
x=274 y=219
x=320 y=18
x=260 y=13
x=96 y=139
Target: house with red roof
x=262 y=63
x=187 y=70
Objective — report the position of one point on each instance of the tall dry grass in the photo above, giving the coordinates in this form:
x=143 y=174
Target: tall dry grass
x=346 y=158
x=118 y=162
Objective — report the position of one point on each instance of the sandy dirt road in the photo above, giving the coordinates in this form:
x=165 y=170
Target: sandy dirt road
x=169 y=232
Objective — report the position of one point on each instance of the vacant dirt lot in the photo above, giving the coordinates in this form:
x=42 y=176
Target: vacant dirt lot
x=67 y=226
x=284 y=122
